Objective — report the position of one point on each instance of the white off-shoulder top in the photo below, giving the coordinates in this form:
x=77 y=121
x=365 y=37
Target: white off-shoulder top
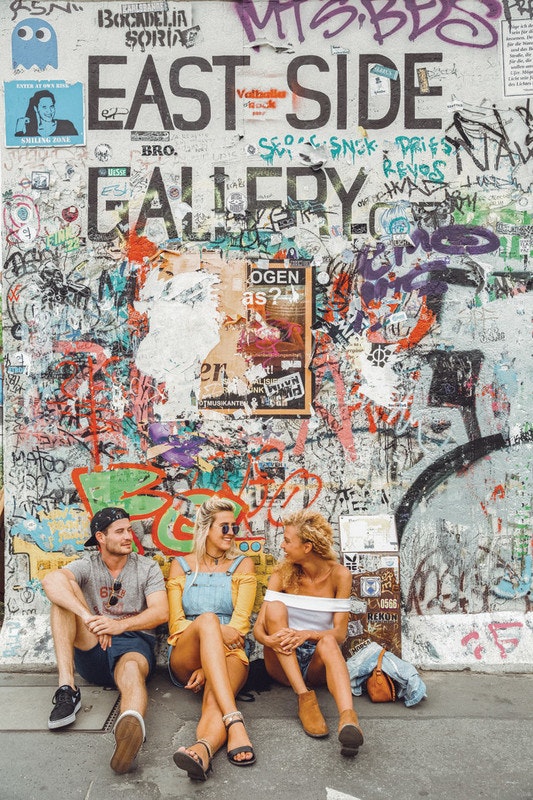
x=306 y=612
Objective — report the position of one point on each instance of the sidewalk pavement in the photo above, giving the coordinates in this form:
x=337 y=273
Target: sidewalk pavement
x=471 y=738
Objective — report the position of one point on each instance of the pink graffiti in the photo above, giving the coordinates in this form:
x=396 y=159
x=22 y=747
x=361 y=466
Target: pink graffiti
x=325 y=364
x=450 y=21
x=504 y=644
x=478 y=651
x=301 y=481
x=511 y=642
x=292 y=485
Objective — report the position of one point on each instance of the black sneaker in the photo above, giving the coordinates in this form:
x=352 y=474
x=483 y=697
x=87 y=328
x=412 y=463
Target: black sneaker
x=67 y=702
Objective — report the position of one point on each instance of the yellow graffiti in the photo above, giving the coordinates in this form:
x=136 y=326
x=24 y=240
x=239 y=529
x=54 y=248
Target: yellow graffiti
x=40 y=562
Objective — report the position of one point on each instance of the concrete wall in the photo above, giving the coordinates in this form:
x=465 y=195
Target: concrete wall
x=351 y=325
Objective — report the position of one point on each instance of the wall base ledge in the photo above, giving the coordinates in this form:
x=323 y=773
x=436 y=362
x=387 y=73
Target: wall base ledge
x=488 y=642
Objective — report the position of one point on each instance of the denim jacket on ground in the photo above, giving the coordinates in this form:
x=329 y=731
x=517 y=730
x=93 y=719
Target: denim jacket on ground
x=409 y=685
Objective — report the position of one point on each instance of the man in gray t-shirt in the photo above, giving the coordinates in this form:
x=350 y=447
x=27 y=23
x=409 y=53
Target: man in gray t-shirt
x=105 y=609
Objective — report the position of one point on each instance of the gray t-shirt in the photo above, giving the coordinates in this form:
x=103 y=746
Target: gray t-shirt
x=140 y=577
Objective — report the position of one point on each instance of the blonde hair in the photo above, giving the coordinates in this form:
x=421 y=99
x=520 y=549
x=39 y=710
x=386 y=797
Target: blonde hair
x=312 y=527
x=205 y=517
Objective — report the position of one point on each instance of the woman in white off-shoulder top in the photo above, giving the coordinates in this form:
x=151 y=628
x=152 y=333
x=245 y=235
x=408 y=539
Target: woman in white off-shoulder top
x=303 y=622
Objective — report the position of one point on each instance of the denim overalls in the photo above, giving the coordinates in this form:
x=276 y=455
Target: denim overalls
x=208 y=591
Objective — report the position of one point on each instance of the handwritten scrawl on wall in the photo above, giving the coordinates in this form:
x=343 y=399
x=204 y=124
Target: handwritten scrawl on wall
x=282 y=252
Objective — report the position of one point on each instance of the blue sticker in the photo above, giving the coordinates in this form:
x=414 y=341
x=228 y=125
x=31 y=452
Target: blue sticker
x=43 y=114
x=385 y=72
x=34 y=44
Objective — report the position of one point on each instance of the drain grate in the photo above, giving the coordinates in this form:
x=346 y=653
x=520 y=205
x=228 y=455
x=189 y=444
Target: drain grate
x=26 y=708
x=109 y=724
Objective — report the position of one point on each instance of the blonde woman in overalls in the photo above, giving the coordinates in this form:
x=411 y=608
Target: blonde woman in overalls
x=211 y=594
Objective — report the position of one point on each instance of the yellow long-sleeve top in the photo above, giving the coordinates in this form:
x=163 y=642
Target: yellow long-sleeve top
x=243 y=589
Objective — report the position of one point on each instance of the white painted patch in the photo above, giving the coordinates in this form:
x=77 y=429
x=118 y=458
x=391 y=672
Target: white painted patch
x=333 y=794
x=183 y=329
x=379 y=382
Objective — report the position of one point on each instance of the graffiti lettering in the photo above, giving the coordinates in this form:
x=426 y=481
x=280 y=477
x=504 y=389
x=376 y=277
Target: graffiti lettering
x=36 y=8
x=505 y=644
x=150 y=79
x=162 y=209
x=446 y=17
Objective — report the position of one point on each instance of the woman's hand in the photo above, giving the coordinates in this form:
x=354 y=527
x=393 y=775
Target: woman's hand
x=197 y=681
x=286 y=640
x=231 y=637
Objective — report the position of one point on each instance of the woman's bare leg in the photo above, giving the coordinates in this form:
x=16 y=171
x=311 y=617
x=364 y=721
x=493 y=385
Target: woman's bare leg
x=282 y=667
x=201 y=645
x=211 y=726
x=328 y=665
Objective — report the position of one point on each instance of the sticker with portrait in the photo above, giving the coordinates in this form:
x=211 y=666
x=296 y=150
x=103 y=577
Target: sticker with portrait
x=43 y=114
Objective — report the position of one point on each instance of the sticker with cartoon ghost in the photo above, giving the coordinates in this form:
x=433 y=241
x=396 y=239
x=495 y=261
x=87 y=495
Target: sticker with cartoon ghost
x=34 y=44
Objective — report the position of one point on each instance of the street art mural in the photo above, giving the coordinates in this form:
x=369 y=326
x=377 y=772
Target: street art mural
x=280 y=251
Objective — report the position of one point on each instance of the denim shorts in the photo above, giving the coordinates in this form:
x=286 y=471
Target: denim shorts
x=97 y=666
x=171 y=675
x=304 y=654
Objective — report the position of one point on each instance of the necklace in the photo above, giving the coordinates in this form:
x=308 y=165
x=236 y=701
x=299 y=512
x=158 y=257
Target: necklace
x=216 y=559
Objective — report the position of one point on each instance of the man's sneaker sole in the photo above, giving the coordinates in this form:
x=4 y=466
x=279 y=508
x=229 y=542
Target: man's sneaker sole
x=129 y=736
x=62 y=723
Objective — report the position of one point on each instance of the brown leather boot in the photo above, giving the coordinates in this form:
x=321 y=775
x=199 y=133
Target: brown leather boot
x=310 y=715
x=350 y=734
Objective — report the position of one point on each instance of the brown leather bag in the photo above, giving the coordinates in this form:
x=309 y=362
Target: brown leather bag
x=380 y=686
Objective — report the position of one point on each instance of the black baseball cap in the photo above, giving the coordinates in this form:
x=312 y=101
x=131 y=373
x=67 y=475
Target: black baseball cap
x=102 y=519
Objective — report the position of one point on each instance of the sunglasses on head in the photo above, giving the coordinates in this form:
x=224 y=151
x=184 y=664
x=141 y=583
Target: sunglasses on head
x=114 y=598
x=226 y=528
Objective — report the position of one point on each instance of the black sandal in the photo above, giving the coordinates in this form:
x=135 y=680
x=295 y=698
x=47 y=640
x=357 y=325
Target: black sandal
x=229 y=720
x=193 y=764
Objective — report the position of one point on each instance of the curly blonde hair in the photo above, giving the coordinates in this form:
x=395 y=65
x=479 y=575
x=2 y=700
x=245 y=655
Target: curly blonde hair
x=312 y=527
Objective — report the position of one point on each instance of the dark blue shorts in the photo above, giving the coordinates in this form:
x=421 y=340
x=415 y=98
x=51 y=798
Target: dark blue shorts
x=97 y=665
x=304 y=654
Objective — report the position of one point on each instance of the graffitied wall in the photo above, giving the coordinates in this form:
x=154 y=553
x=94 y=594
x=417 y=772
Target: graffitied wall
x=279 y=250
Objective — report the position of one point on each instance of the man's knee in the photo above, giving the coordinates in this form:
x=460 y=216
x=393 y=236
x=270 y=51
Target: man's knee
x=131 y=667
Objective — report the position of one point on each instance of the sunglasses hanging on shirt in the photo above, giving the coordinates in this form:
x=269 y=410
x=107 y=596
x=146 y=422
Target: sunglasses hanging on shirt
x=114 y=598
